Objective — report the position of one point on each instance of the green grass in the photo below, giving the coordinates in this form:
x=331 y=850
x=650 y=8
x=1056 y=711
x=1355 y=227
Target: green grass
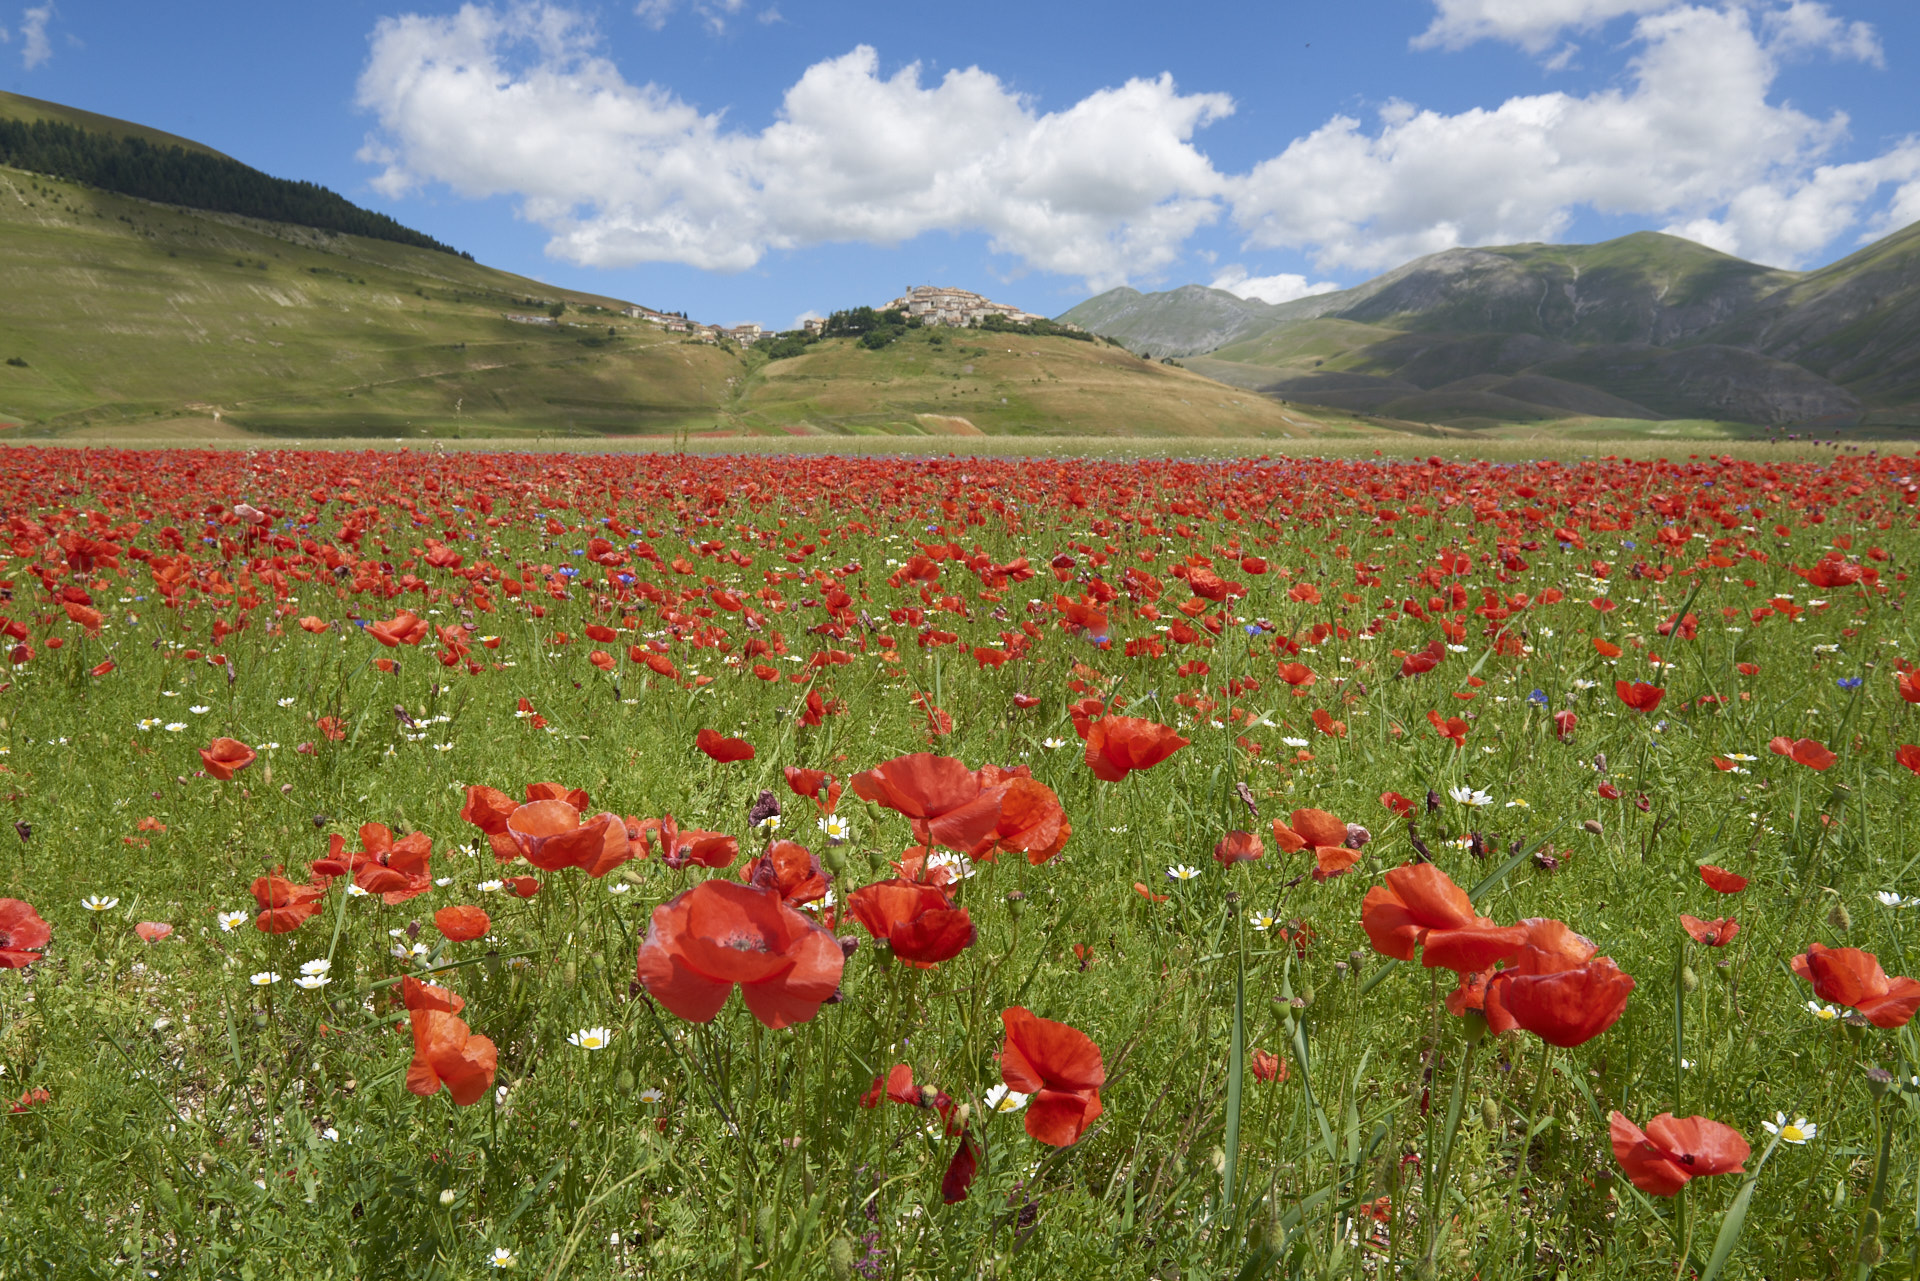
x=200 y=1127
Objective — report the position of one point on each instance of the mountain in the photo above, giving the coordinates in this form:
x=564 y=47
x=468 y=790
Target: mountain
x=1179 y=322
x=130 y=319
x=1648 y=326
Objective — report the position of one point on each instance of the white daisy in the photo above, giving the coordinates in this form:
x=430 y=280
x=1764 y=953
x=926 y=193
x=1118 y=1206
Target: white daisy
x=1466 y=795
x=489 y=887
x=312 y=981
x=231 y=921
x=1798 y=1132
x=264 y=978
x=1261 y=919
x=99 y=903
x=502 y=1257
x=1181 y=872
x=320 y=966
x=653 y=1094
x=287 y=702
x=958 y=865
x=1002 y=1099
x=1053 y=744
x=835 y=827
x=591 y=1038
x=1825 y=1013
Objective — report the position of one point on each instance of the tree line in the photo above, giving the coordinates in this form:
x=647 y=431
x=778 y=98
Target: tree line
x=175 y=176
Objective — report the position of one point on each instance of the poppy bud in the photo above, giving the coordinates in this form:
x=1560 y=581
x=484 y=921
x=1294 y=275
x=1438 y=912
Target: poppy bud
x=1490 y=1114
x=1838 y=918
x=1305 y=998
x=623 y=1083
x=1688 y=979
x=1593 y=825
x=1016 y=902
x=849 y=944
x=840 y=1258
x=1871 y=1251
x=1878 y=1079
x=571 y=974
x=413 y=930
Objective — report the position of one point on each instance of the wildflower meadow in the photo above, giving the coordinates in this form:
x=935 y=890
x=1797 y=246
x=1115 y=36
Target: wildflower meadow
x=446 y=865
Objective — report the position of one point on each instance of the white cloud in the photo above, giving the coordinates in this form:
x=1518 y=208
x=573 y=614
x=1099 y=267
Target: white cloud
x=35 y=48
x=1284 y=287
x=520 y=102
x=800 y=321
x=713 y=14
x=523 y=102
x=1534 y=25
x=1691 y=137
x=1805 y=25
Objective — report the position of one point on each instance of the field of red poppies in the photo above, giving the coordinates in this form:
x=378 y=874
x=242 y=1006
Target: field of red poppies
x=425 y=865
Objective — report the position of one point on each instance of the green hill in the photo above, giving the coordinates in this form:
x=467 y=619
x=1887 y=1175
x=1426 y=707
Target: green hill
x=1648 y=327
x=1179 y=322
x=128 y=318
x=22 y=109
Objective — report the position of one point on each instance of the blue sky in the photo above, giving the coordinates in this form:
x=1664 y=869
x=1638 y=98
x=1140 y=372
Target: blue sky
x=762 y=159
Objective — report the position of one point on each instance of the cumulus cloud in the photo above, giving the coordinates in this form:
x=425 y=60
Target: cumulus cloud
x=1534 y=25
x=1693 y=136
x=35 y=48
x=1284 y=287
x=520 y=102
x=523 y=102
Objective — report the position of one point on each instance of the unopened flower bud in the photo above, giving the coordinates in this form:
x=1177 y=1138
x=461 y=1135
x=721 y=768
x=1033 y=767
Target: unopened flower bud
x=446 y=1196
x=1593 y=825
x=1016 y=902
x=571 y=974
x=1490 y=1114
x=1688 y=979
x=1839 y=918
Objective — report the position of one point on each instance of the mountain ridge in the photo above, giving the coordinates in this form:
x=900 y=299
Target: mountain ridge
x=1647 y=325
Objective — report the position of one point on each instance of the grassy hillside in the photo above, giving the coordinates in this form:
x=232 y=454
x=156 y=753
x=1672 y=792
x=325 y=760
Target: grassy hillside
x=1192 y=318
x=1638 y=328
x=127 y=318
x=1856 y=322
x=959 y=382
x=14 y=106
x=124 y=311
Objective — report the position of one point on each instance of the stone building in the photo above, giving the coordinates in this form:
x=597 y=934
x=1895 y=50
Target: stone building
x=940 y=305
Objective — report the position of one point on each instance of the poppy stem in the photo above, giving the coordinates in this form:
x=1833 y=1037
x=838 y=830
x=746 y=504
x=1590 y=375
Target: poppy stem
x=1437 y=1192
x=1533 y=1119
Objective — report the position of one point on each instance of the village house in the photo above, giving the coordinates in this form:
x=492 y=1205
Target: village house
x=940 y=305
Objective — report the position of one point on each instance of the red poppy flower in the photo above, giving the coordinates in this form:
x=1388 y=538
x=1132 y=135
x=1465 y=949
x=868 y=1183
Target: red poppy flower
x=461 y=924
x=1060 y=1068
x=1569 y=1007
x=818 y=786
x=395 y=870
x=679 y=847
x=22 y=934
x=446 y=1052
x=1909 y=756
x=284 y=906
x=553 y=834
x=722 y=748
x=1237 y=847
x=1118 y=745
x=416 y=995
x=1267 y=1067
x=573 y=796
x=402 y=629
x=489 y=810
x=1721 y=880
x=1671 y=1151
x=1639 y=695
x=1420 y=906
x=152 y=931
x=960 y=1171
x=1814 y=756
x=1564 y=723
x=706 y=939
x=225 y=757
x=523 y=886
x=1140 y=888
x=1853 y=978
x=917 y=919
x=975 y=811
x=1397 y=803
x=1452 y=727
x=1710 y=933
x=790 y=869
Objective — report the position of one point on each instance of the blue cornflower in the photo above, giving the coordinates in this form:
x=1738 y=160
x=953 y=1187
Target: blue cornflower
x=1849 y=682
